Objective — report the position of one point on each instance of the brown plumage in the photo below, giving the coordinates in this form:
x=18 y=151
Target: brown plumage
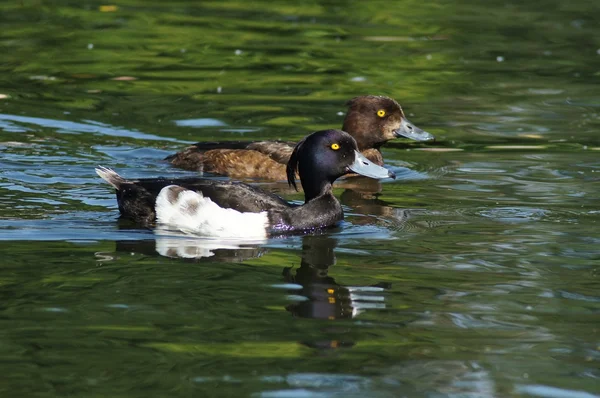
x=371 y=120
x=244 y=163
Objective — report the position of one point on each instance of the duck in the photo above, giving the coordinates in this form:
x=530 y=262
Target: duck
x=233 y=209
x=372 y=120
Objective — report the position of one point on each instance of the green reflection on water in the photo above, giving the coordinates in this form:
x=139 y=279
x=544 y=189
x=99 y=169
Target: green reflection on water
x=485 y=259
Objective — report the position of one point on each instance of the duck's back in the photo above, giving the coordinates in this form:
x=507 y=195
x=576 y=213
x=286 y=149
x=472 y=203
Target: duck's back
x=137 y=198
x=228 y=194
x=238 y=159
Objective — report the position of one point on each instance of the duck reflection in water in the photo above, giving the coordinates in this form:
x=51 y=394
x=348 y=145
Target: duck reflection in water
x=372 y=209
x=176 y=245
x=362 y=196
x=318 y=295
x=322 y=296
x=168 y=243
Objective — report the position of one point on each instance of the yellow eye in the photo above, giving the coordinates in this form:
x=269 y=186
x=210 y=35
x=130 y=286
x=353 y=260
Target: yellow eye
x=381 y=113
x=335 y=147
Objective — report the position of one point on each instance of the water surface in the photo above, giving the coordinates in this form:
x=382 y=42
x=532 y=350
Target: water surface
x=474 y=274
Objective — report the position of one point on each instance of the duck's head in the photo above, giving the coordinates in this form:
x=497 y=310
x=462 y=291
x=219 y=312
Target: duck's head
x=373 y=120
x=326 y=155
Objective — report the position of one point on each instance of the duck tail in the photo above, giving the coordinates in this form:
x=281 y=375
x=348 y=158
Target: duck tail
x=110 y=176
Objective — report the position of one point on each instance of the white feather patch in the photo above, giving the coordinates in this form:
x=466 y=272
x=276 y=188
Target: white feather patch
x=190 y=212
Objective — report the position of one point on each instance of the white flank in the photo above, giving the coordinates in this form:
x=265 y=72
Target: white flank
x=192 y=213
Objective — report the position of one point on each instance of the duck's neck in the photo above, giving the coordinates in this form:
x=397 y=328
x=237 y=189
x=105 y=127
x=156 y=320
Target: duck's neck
x=361 y=129
x=316 y=189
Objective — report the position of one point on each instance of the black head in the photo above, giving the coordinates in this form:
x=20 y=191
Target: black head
x=373 y=120
x=326 y=155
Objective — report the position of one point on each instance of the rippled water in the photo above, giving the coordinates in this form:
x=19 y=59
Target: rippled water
x=474 y=274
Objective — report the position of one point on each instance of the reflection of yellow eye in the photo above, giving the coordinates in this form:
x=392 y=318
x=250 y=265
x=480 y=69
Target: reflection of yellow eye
x=335 y=147
x=381 y=113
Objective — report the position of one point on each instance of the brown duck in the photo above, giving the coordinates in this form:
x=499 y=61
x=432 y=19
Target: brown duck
x=371 y=120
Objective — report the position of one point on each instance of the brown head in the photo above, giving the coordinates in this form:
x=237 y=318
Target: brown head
x=374 y=120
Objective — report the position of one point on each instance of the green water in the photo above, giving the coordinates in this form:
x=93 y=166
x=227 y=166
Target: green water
x=474 y=274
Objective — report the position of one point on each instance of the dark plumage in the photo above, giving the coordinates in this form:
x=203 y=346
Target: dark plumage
x=319 y=159
x=137 y=198
x=371 y=120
